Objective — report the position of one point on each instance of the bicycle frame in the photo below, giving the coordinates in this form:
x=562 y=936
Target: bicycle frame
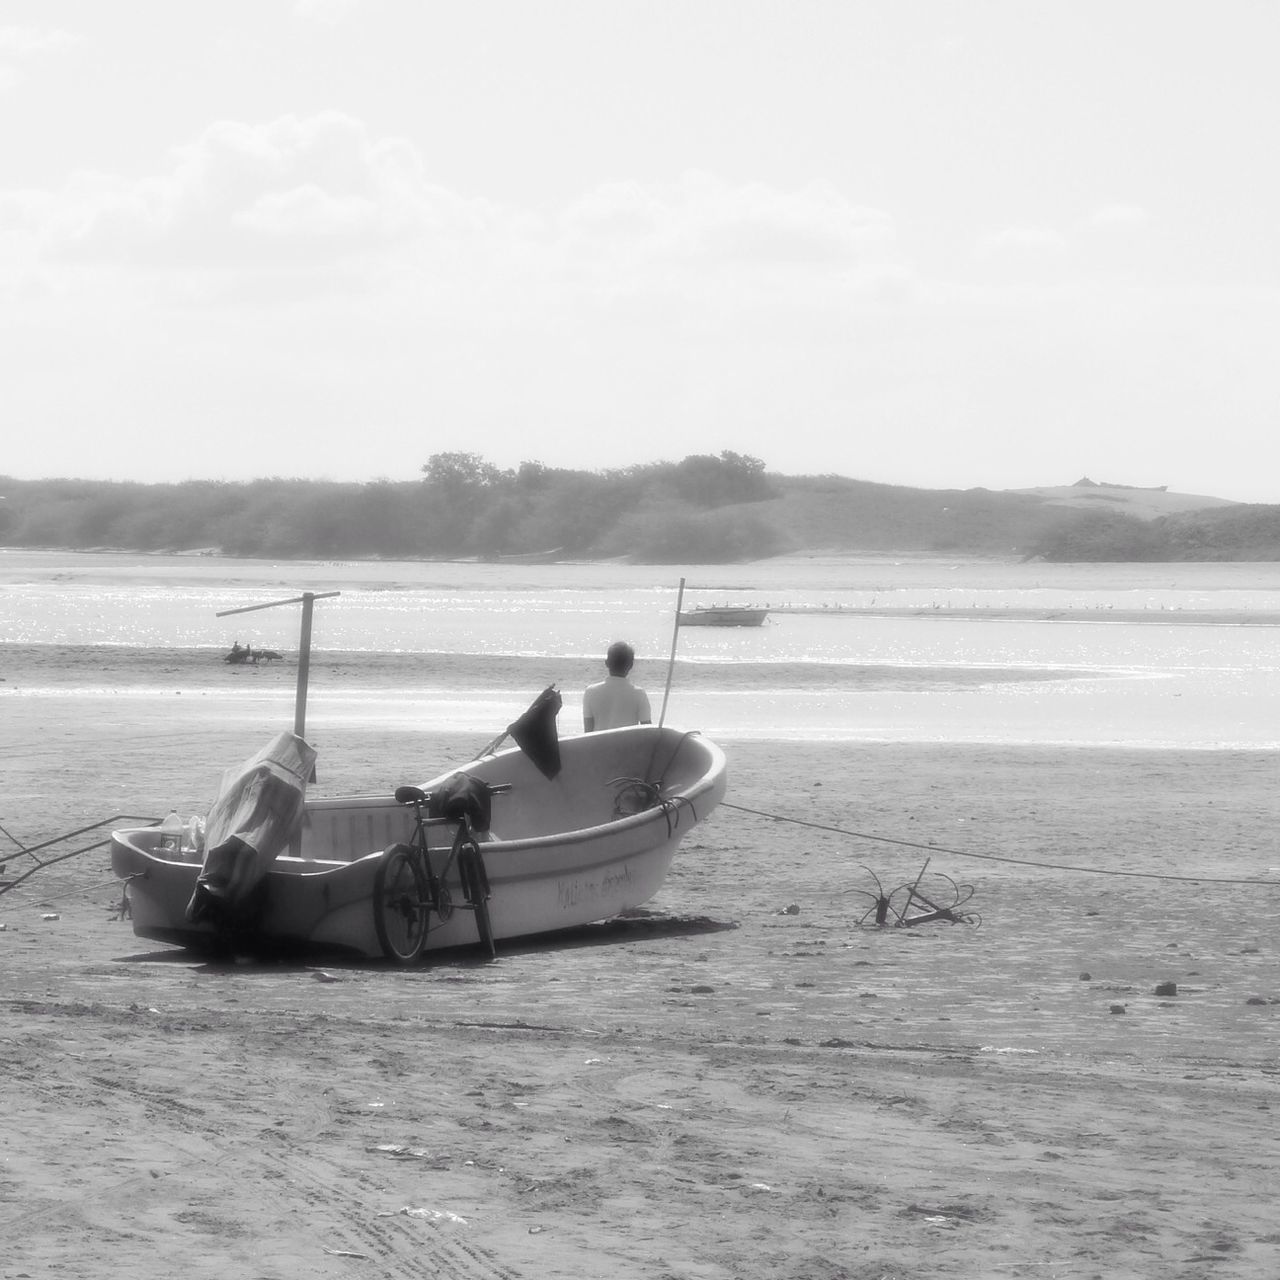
x=408 y=888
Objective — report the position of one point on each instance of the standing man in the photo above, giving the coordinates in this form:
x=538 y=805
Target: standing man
x=615 y=701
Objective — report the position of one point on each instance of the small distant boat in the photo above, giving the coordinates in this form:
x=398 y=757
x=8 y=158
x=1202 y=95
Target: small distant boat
x=551 y=556
x=249 y=656
x=724 y=615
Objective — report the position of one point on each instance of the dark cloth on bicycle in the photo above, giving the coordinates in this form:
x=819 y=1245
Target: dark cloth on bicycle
x=462 y=796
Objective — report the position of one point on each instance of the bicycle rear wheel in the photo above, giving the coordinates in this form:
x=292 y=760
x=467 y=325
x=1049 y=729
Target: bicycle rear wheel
x=401 y=905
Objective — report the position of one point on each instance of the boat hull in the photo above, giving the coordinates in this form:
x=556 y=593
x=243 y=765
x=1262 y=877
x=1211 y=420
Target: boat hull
x=540 y=879
x=729 y=616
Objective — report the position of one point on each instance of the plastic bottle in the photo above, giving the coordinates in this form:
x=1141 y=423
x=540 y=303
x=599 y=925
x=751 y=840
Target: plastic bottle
x=171 y=835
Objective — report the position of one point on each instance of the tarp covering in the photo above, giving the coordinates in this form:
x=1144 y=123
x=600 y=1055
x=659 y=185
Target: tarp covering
x=257 y=812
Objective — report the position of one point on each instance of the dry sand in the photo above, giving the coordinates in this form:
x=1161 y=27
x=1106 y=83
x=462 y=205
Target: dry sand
x=724 y=1088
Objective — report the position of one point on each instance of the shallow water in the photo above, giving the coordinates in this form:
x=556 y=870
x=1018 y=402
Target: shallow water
x=464 y=647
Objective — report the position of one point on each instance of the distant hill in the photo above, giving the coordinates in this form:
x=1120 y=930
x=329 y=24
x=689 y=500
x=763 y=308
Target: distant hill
x=1079 y=521
x=703 y=509
x=1129 y=500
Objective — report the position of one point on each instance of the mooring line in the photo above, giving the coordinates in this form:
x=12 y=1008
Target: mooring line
x=995 y=857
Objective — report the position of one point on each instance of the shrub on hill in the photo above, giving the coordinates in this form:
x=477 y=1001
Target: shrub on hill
x=1102 y=536
x=725 y=536
x=1247 y=531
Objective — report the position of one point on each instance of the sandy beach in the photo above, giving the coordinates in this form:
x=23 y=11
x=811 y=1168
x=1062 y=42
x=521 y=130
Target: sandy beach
x=746 y=1081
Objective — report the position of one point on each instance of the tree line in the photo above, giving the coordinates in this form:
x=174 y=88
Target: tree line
x=695 y=510
x=704 y=509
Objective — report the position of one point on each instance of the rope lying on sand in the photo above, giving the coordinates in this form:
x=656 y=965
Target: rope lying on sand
x=994 y=857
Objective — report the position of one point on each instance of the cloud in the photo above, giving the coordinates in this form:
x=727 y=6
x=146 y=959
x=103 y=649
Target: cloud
x=1119 y=217
x=21 y=46
x=1022 y=242
x=615 y=213
x=301 y=207
x=1044 y=255
x=294 y=190
x=26 y=42
x=707 y=219
x=760 y=225
x=1018 y=258
x=328 y=12
x=704 y=236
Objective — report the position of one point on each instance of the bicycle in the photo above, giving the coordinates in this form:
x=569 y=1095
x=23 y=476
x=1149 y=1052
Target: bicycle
x=407 y=888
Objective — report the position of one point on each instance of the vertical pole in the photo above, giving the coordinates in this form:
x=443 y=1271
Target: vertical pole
x=671 y=662
x=911 y=894
x=304 y=665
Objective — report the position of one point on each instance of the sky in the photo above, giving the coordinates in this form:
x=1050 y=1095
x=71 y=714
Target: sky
x=942 y=243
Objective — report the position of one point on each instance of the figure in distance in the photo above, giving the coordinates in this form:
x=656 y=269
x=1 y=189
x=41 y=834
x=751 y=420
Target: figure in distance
x=614 y=701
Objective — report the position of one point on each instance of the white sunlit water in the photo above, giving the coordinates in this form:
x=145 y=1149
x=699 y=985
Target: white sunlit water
x=1156 y=682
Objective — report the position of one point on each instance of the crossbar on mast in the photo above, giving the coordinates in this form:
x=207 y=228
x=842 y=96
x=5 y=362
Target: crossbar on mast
x=307 y=599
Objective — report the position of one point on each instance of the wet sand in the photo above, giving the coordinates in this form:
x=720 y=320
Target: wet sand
x=744 y=1082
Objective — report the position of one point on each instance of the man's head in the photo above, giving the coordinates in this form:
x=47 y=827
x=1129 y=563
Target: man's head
x=620 y=658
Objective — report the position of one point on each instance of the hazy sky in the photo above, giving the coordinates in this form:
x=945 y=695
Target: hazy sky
x=985 y=242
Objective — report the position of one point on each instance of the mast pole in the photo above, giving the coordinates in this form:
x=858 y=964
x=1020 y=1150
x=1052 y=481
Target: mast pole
x=671 y=662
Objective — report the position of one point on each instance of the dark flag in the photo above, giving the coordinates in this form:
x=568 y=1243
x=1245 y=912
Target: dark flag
x=535 y=732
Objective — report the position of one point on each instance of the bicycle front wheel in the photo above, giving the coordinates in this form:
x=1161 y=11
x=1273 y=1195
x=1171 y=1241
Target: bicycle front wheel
x=401 y=906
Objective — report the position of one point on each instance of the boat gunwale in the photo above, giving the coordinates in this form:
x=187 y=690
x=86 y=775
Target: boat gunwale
x=706 y=780
x=498 y=845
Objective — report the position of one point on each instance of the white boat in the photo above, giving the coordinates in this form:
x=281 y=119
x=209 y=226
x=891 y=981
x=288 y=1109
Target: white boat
x=723 y=615
x=586 y=844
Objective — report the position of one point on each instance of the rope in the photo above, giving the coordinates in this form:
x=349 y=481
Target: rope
x=81 y=891
x=993 y=857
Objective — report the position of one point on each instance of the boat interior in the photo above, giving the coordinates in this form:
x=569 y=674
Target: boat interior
x=605 y=777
